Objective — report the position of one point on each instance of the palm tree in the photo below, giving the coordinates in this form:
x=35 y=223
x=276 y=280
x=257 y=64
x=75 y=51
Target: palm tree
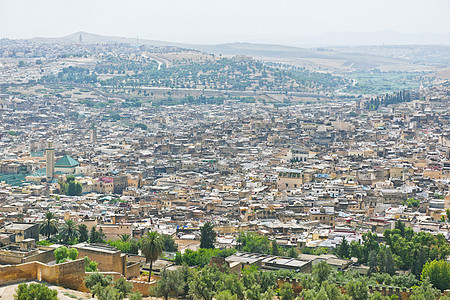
x=49 y=227
x=69 y=230
x=152 y=246
x=125 y=237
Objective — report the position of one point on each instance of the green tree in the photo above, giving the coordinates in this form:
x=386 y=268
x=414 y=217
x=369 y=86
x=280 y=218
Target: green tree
x=83 y=234
x=204 y=283
x=253 y=242
x=373 y=262
x=287 y=292
x=123 y=287
x=74 y=188
x=151 y=247
x=96 y=236
x=425 y=291
x=230 y=282
x=171 y=283
x=72 y=253
x=49 y=226
x=390 y=263
x=125 y=237
x=321 y=271
x=343 y=250
x=90 y=265
x=292 y=252
x=378 y=296
x=135 y=296
x=106 y=293
x=32 y=291
x=97 y=279
x=61 y=254
x=438 y=272
x=225 y=295
x=169 y=243
x=69 y=231
x=207 y=236
x=357 y=290
x=275 y=251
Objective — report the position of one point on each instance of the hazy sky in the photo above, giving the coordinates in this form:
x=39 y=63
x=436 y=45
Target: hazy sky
x=212 y=21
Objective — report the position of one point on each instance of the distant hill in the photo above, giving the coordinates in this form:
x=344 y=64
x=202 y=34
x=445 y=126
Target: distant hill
x=91 y=38
x=324 y=57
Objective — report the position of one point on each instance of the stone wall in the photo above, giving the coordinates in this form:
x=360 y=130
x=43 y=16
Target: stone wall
x=132 y=270
x=69 y=274
x=17 y=273
x=143 y=287
x=44 y=257
x=107 y=261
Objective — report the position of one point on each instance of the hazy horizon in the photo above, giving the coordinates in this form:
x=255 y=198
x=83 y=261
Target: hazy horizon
x=206 y=22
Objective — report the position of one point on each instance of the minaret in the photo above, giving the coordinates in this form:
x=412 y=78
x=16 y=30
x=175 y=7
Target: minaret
x=50 y=161
x=93 y=134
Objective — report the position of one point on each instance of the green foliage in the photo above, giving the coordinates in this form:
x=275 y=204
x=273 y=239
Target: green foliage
x=292 y=252
x=357 y=290
x=438 y=272
x=61 y=254
x=73 y=253
x=252 y=242
x=12 y=133
x=135 y=296
x=411 y=202
x=74 y=189
x=412 y=250
x=204 y=284
x=287 y=292
x=201 y=257
x=325 y=291
x=425 y=291
x=401 y=280
x=125 y=247
x=315 y=251
x=275 y=250
x=32 y=291
x=49 y=226
x=207 y=236
x=152 y=246
x=83 y=234
x=44 y=243
x=69 y=231
x=321 y=272
x=225 y=295
x=123 y=287
x=169 y=243
x=96 y=236
x=105 y=293
x=95 y=281
x=343 y=249
x=125 y=237
x=171 y=283
x=90 y=265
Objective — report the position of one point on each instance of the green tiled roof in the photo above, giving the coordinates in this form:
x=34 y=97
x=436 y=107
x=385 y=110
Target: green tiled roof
x=13 y=179
x=66 y=161
x=37 y=154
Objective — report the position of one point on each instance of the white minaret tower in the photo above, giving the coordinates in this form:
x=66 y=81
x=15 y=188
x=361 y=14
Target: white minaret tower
x=50 y=161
